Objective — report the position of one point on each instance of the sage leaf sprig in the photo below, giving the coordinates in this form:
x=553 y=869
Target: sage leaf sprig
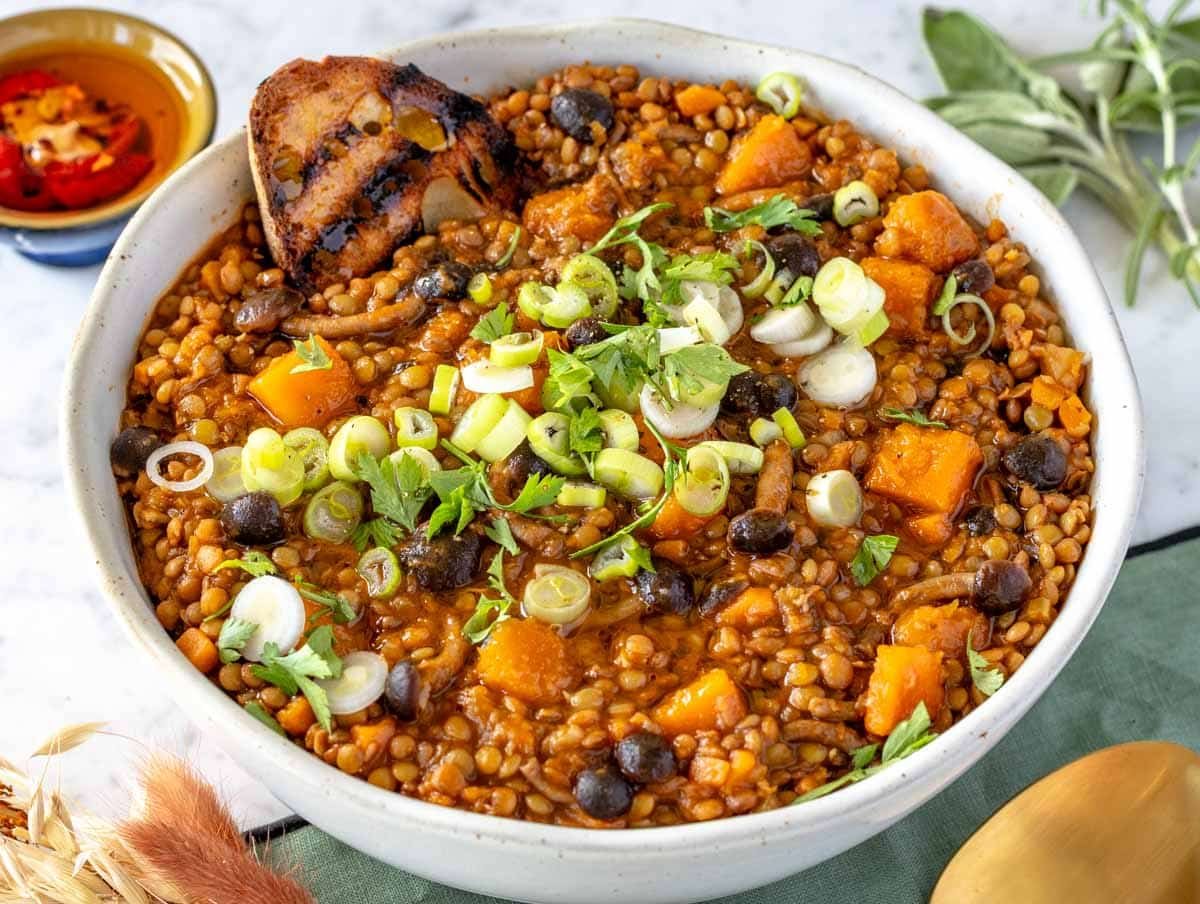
x=1141 y=74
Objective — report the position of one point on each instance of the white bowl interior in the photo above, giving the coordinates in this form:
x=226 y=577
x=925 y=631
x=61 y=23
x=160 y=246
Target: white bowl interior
x=546 y=863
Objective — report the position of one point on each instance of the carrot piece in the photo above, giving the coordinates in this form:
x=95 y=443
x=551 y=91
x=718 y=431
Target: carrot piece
x=696 y=100
x=297 y=717
x=940 y=629
x=903 y=677
x=925 y=467
x=199 y=649
x=770 y=154
x=527 y=659
x=908 y=291
x=309 y=398
x=710 y=702
x=933 y=529
x=378 y=734
x=926 y=227
x=585 y=212
x=674 y=522
x=1047 y=392
x=1076 y=419
x=750 y=609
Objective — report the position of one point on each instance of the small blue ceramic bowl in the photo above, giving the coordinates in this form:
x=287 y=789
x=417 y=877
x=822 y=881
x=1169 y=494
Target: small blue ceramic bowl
x=136 y=59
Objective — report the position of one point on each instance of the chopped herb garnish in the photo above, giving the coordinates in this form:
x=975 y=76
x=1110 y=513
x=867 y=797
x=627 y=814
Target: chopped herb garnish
x=235 y=632
x=507 y=257
x=687 y=371
x=585 y=437
x=620 y=363
x=399 y=489
x=798 y=293
x=376 y=532
x=872 y=557
x=984 y=675
x=906 y=738
x=259 y=712
x=295 y=672
x=779 y=210
x=643 y=282
x=253 y=562
x=481 y=622
x=713 y=266
x=495 y=323
x=338 y=608
x=625 y=230
x=568 y=379
x=946 y=299
x=499 y=532
x=913 y=416
x=312 y=354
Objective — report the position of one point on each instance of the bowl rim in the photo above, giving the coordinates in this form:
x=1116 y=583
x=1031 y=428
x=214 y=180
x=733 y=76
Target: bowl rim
x=359 y=799
x=122 y=207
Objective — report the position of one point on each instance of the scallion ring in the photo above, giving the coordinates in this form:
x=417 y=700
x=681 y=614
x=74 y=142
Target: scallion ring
x=187 y=447
x=779 y=285
x=226 y=485
x=854 y=202
x=333 y=512
x=313 y=449
x=532 y=297
x=782 y=92
x=557 y=595
x=270 y=465
x=380 y=570
x=595 y=278
x=961 y=339
x=479 y=289
x=766 y=273
x=415 y=427
x=516 y=349
x=704 y=485
x=568 y=303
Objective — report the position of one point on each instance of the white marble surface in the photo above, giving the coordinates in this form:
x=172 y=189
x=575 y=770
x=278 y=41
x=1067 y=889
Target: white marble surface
x=61 y=659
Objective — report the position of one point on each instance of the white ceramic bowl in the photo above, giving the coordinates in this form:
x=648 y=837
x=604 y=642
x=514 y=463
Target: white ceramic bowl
x=541 y=863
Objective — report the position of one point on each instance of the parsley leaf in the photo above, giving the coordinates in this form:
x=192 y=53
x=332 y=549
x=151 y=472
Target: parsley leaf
x=340 y=609
x=537 y=492
x=872 y=557
x=295 y=672
x=625 y=229
x=913 y=416
x=984 y=675
x=779 y=210
x=495 y=323
x=584 y=437
x=568 y=379
x=643 y=282
x=862 y=757
x=376 y=532
x=399 y=489
x=259 y=712
x=253 y=562
x=500 y=533
x=620 y=363
x=312 y=355
x=798 y=292
x=235 y=632
x=466 y=490
x=712 y=266
x=689 y=370
x=946 y=298
x=481 y=622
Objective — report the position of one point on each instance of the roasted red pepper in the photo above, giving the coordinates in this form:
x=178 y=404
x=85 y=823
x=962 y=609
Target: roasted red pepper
x=75 y=185
x=20 y=84
x=21 y=188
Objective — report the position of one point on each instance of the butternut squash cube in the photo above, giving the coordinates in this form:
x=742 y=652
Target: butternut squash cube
x=712 y=701
x=926 y=227
x=941 y=629
x=908 y=289
x=902 y=678
x=527 y=659
x=585 y=212
x=926 y=468
x=308 y=398
x=770 y=154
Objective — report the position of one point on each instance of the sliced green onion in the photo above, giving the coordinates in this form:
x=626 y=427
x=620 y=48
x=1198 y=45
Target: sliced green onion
x=704 y=316
x=616 y=560
x=508 y=433
x=226 y=484
x=359 y=434
x=704 y=485
x=507 y=256
x=701 y=392
x=969 y=337
x=581 y=495
x=873 y=328
x=834 y=499
x=766 y=273
x=485 y=377
x=479 y=289
x=680 y=419
x=619 y=429
x=557 y=596
x=445 y=388
x=333 y=512
x=532 y=297
x=786 y=422
x=673 y=338
x=549 y=438
x=594 y=277
x=478 y=421
x=423 y=457
x=380 y=570
x=779 y=286
x=628 y=473
x=782 y=92
x=516 y=349
x=415 y=427
x=741 y=458
x=764 y=432
x=614 y=395
x=846 y=296
x=568 y=304
x=272 y=467
x=313 y=449
x=784 y=324
x=854 y=202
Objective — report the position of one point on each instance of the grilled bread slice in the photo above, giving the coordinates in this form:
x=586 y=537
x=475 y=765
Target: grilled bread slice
x=353 y=156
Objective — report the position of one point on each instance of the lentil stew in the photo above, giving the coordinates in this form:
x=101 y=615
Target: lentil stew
x=665 y=493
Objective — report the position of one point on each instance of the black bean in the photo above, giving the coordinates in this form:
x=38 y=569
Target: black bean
x=264 y=310
x=131 y=448
x=666 y=589
x=795 y=252
x=254 y=519
x=1039 y=461
x=585 y=332
x=974 y=277
x=446 y=280
x=980 y=520
x=718 y=595
x=1000 y=587
x=603 y=793
x=575 y=109
x=446 y=562
x=759 y=532
x=777 y=391
x=821 y=205
x=403 y=691
x=645 y=758
x=753 y=394
x=522 y=462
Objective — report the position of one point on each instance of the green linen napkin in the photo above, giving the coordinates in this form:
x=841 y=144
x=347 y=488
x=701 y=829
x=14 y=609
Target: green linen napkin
x=1135 y=677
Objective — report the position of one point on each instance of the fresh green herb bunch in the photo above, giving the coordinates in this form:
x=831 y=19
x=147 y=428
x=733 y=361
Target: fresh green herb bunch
x=1141 y=74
